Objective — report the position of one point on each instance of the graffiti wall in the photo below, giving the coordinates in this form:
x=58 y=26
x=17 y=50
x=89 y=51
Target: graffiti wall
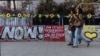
x=92 y=32
x=31 y=33
x=89 y=31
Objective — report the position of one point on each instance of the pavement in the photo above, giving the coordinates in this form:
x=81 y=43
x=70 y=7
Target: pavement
x=48 y=49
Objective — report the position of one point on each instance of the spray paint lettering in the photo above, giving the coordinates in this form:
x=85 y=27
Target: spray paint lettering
x=20 y=33
x=90 y=32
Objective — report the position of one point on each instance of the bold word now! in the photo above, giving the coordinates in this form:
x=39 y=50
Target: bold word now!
x=19 y=33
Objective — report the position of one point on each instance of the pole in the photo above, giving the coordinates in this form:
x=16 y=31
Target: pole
x=62 y=21
x=59 y=21
x=0 y=48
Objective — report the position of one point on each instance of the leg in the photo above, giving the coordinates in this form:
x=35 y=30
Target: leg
x=84 y=38
x=73 y=34
x=76 y=38
x=81 y=37
x=70 y=38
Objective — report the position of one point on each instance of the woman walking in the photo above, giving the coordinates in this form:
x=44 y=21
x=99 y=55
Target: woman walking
x=78 y=28
x=71 y=28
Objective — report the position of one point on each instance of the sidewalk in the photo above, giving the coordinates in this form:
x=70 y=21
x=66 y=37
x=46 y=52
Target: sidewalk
x=48 y=49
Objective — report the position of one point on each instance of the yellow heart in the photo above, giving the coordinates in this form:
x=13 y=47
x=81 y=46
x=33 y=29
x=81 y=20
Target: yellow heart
x=91 y=34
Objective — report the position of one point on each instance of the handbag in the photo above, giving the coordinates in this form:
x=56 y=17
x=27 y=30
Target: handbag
x=71 y=27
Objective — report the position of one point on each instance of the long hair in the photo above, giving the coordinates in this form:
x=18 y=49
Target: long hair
x=73 y=10
x=80 y=10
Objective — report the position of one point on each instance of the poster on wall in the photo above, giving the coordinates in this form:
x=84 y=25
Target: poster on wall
x=54 y=33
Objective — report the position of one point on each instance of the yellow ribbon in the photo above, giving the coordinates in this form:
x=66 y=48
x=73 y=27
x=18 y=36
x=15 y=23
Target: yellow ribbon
x=8 y=15
x=69 y=16
x=89 y=16
x=52 y=15
x=58 y=15
x=19 y=15
x=3 y=16
x=46 y=15
x=28 y=15
x=40 y=15
x=34 y=15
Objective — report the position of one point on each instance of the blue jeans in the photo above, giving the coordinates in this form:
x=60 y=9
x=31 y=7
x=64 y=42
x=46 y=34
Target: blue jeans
x=71 y=36
x=79 y=36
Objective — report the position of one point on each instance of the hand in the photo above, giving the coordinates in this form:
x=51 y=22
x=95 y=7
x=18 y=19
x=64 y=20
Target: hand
x=71 y=24
x=75 y=16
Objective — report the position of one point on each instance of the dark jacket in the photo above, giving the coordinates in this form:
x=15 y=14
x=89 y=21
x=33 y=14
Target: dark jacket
x=71 y=26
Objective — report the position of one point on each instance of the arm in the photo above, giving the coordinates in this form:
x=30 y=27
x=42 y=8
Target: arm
x=81 y=18
x=76 y=17
x=70 y=20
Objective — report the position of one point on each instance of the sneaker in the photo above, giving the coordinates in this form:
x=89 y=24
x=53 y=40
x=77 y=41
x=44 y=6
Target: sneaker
x=74 y=46
x=88 y=44
x=80 y=41
x=69 y=44
x=91 y=39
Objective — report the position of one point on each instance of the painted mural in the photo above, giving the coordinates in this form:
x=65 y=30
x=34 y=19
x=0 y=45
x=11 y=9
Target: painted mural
x=91 y=31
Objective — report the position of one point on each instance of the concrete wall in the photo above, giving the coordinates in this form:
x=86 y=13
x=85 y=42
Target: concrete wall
x=92 y=30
